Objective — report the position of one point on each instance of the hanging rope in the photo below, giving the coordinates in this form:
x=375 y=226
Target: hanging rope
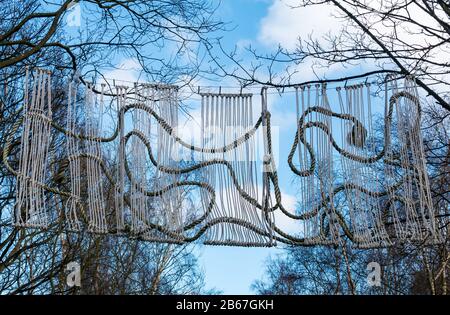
x=30 y=208
x=155 y=199
x=73 y=151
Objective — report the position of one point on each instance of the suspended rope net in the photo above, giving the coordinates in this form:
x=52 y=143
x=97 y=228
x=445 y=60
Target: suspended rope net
x=124 y=174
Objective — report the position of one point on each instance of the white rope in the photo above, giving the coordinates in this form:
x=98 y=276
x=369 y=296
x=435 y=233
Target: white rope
x=73 y=203
x=224 y=118
x=96 y=207
x=30 y=208
x=119 y=189
x=155 y=193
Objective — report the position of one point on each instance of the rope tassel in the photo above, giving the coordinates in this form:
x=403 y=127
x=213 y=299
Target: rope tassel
x=30 y=210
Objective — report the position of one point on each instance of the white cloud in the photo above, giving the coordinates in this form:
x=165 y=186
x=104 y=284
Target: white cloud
x=283 y=222
x=126 y=72
x=284 y=24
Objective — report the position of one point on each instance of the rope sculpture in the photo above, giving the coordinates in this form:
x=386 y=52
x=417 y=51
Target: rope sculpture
x=364 y=209
x=350 y=185
x=224 y=117
x=31 y=199
x=414 y=219
x=162 y=206
x=317 y=182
